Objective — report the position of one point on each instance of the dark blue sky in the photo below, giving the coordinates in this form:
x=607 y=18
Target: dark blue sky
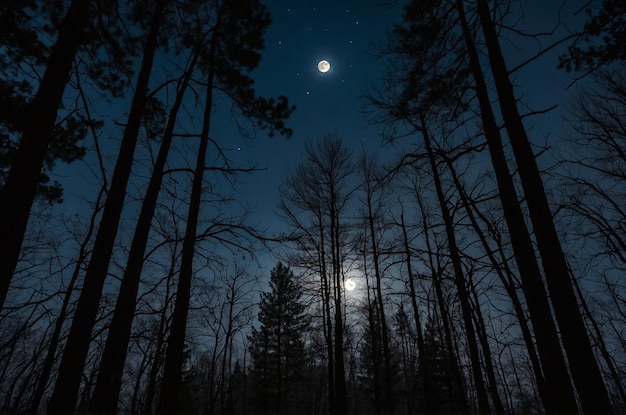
x=303 y=33
x=346 y=33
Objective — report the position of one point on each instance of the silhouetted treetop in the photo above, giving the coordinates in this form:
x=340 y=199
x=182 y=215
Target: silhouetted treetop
x=602 y=41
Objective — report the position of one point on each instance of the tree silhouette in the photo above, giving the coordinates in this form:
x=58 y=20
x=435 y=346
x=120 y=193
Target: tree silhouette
x=602 y=40
x=314 y=200
x=233 y=49
x=20 y=185
x=438 y=68
x=63 y=399
x=585 y=371
x=277 y=348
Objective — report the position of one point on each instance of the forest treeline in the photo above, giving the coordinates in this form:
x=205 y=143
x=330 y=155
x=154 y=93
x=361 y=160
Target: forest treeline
x=479 y=270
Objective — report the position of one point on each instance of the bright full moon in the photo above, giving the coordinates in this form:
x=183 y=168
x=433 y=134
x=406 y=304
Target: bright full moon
x=350 y=284
x=323 y=66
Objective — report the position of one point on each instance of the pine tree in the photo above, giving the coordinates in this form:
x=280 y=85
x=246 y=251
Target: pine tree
x=38 y=124
x=277 y=347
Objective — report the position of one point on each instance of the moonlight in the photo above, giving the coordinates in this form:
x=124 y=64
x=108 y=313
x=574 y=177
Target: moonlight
x=323 y=66
x=350 y=284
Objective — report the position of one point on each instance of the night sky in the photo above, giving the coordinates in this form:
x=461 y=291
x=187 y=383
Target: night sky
x=349 y=35
x=230 y=266
x=345 y=34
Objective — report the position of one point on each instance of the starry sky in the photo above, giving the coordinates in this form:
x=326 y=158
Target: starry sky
x=345 y=34
x=349 y=35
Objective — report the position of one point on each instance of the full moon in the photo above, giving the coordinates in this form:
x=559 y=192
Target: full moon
x=323 y=66
x=350 y=284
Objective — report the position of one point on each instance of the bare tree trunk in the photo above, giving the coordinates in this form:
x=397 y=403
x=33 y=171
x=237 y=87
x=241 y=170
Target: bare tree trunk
x=18 y=193
x=459 y=279
x=373 y=333
x=160 y=340
x=428 y=407
x=226 y=353
x=341 y=392
x=108 y=384
x=556 y=377
x=63 y=399
x=388 y=403
x=454 y=376
x=610 y=363
x=174 y=359
x=508 y=283
x=58 y=325
x=328 y=325
x=589 y=383
x=484 y=343
x=212 y=387
x=330 y=172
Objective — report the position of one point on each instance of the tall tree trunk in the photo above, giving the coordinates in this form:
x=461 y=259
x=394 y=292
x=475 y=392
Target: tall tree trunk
x=328 y=324
x=556 y=377
x=388 y=402
x=589 y=383
x=225 y=371
x=63 y=399
x=212 y=388
x=174 y=359
x=481 y=332
x=428 y=407
x=373 y=333
x=459 y=279
x=58 y=325
x=610 y=363
x=108 y=384
x=18 y=194
x=341 y=392
x=454 y=376
x=508 y=283
x=160 y=340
